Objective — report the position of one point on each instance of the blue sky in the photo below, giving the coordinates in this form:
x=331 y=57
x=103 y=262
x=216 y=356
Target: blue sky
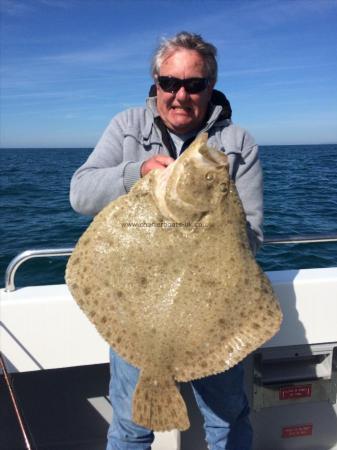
x=68 y=66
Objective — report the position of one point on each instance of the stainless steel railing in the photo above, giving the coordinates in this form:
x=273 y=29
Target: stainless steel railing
x=45 y=253
x=306 y=239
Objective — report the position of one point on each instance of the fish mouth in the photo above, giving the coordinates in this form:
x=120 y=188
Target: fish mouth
x=214 y=156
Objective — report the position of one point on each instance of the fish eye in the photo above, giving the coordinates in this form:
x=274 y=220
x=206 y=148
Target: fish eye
x=209 y=176
x=223 y=187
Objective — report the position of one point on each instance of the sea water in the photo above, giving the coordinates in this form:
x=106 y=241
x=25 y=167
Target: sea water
x=300 y=194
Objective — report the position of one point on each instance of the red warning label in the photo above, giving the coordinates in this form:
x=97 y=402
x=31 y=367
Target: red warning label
x=297 y=431
x=295 y=392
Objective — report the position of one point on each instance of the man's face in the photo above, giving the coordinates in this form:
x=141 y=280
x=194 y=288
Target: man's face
x=183 y=112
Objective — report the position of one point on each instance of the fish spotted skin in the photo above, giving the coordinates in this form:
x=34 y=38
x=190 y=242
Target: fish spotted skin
x=167 y=276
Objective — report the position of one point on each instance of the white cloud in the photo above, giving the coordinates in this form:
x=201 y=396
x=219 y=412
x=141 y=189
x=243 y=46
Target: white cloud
x=22 y=7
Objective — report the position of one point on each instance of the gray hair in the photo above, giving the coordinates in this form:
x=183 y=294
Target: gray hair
x=189 y=41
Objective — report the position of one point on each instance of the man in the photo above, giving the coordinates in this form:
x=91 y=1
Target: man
x=183 y=104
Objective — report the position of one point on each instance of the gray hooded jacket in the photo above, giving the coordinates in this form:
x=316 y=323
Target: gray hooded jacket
x=132 y=137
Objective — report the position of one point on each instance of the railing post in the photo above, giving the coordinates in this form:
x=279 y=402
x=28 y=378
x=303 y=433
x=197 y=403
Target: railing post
x=25 y=256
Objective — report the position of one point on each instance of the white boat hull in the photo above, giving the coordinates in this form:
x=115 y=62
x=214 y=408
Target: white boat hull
x=43 y=329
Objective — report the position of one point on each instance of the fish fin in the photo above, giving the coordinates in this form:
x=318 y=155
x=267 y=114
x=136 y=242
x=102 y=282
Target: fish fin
x=158 y=404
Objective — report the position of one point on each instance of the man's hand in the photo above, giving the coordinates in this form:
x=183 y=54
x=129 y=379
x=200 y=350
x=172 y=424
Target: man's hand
x=156 y=162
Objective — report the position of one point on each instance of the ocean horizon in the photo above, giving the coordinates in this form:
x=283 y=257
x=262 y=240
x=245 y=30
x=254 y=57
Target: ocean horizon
x=89 y=147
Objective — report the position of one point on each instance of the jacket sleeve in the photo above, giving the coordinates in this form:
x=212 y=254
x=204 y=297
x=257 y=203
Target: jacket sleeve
x=105 y=175
x=249 y=183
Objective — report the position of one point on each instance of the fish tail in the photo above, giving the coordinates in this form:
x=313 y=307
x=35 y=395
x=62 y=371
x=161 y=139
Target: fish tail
x=158 y=404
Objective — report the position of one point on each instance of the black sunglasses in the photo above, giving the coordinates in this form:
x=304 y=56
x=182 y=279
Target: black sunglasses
x=191 y=85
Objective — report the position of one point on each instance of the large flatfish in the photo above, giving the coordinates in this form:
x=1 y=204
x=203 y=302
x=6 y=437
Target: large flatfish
x=167 y=276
